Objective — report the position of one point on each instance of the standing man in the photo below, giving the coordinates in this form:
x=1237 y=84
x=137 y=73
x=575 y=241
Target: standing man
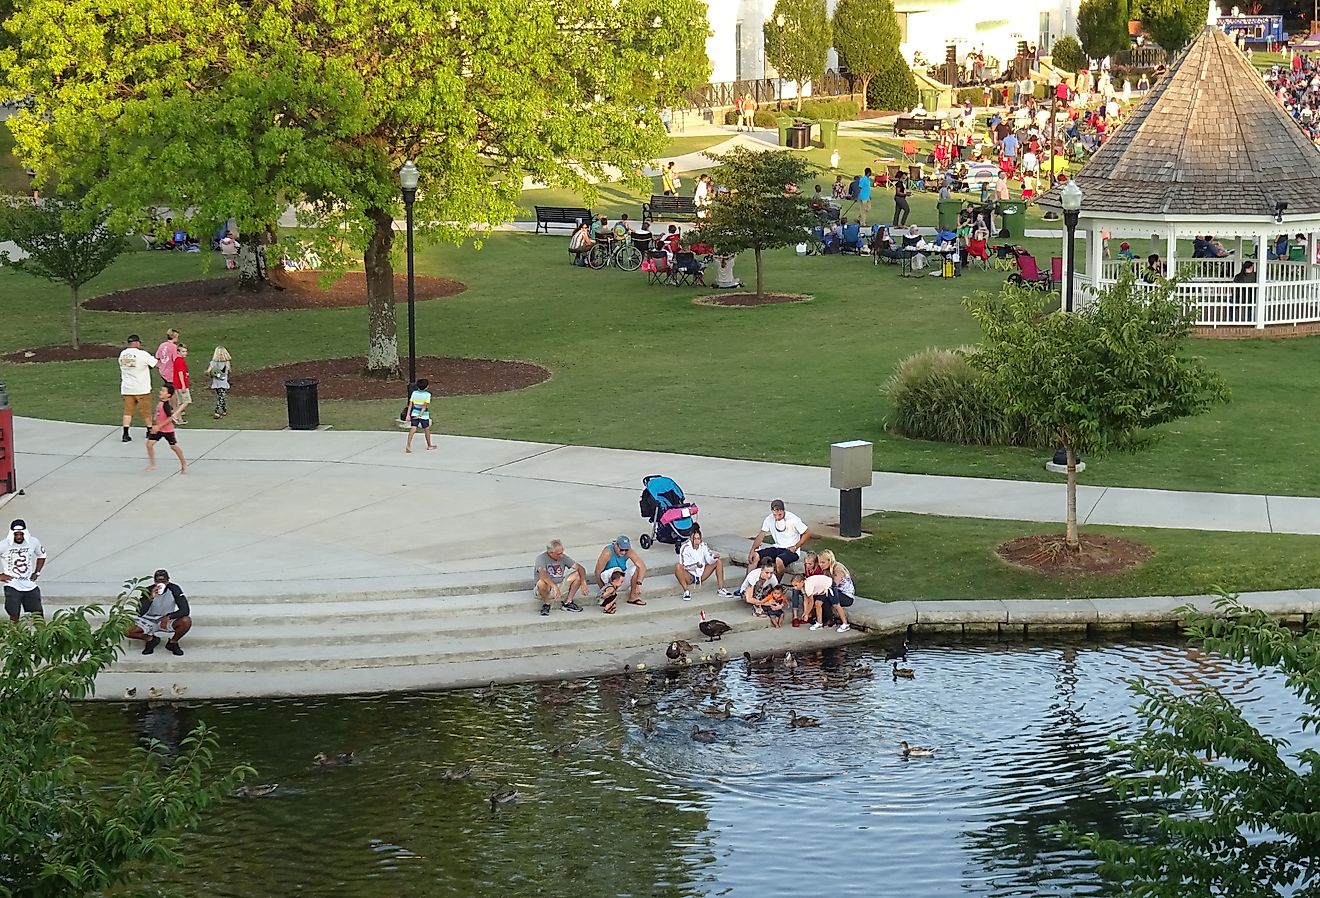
x=696 y=562
x=554 y=571
x=135 y=366
x=786 y=532
x=620 y=555
x=22 y=556
x=864 y=185
x=166 y=353
x=162 y=611
x=669 y=181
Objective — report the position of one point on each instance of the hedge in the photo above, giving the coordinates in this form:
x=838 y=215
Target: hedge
x=893 y=89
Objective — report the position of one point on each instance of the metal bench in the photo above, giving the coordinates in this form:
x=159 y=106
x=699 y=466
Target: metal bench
x=666 y=207
x=906 y=123
x=560 y=215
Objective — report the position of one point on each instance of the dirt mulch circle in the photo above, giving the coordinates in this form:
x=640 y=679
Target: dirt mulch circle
x=86 y=352
x=342 y=378
x=302 y=290
x=748 y=300
x=1049 y=554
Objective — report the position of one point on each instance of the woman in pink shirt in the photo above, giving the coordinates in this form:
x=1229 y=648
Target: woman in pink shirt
x=163 y=429
x=166 y=353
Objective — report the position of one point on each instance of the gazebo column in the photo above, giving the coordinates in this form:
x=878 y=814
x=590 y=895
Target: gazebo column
x=1171 y=252
x=1095 y=252
x=1262 y=266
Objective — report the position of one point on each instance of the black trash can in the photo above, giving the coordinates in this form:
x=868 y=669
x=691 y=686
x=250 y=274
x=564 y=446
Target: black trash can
x=799 y=136
x=303 y=411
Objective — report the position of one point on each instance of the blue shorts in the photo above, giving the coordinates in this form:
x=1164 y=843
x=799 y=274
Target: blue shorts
x=423 y=423
x=771 y=553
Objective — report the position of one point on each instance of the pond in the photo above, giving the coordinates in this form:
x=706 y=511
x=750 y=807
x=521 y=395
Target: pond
x=638 y=808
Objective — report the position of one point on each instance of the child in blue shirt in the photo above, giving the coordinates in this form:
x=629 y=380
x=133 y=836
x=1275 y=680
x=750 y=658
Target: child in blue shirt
x=419 y=414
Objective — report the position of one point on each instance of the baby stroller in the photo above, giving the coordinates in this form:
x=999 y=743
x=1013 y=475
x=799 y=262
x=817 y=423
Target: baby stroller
x=663 y=504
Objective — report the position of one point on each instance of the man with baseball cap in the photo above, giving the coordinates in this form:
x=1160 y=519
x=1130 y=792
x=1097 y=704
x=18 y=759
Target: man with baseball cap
x=22 y=556
x=135 y=366
x=620 y=555
x=162 y=611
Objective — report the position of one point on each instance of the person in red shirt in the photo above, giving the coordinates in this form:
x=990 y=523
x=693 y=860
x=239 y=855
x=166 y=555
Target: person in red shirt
x=162 y=428
x=182 y=385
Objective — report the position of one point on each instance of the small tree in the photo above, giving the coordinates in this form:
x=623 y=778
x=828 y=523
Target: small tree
x=800 y=46
x=1235 y=806
x=66 y=832
x=63 y=243
x=1098 y=379
x=867 y=35
x=1172 y=23
x=894 y=88
x=756 y=213
x=1067 y=54
x=1102 y=27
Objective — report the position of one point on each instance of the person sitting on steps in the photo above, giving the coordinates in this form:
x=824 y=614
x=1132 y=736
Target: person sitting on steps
x=162 y=611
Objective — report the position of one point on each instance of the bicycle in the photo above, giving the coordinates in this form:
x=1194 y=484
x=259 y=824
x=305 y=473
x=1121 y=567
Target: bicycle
x=620 y=252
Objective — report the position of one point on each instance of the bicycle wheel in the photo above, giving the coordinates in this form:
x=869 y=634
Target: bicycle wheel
x=598 y=258
x=629 y=258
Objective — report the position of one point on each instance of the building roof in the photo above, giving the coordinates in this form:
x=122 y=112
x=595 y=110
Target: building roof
x=1208 y=139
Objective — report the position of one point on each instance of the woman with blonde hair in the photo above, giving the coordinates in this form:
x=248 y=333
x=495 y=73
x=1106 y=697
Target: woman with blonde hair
x=219 y=370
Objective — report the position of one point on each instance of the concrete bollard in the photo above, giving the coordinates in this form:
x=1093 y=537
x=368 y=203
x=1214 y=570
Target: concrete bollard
x=850 y=471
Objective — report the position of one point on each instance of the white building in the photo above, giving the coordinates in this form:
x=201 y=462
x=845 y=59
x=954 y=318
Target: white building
x=737 y=49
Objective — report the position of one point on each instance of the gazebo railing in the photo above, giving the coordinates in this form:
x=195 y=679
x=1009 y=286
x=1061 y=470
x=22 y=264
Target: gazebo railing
x=1292 y=296
x=1293 y=303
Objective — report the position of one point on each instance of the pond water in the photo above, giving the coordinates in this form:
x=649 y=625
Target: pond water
x=640 y=809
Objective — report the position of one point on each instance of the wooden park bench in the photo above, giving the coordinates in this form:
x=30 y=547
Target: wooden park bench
x=560 y=215
x=663 y=207
x=905 y=123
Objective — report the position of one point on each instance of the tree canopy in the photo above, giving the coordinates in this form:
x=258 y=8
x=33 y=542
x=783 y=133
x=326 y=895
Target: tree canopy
x=867 y=36
x=1171 y=23
x=799 y=48
x=1102 y=27
x=244 y=106
x=1068 y=55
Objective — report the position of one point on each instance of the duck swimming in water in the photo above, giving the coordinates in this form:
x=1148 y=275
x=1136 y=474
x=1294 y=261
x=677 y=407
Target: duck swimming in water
x=255 y=791
x=700 y=735
x=905 y=673
x=916 y=751
x=720 y=713
x=800 y=722
x=341 y=759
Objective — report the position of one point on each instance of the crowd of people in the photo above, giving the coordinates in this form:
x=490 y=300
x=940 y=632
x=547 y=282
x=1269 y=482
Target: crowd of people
x=1297 y=88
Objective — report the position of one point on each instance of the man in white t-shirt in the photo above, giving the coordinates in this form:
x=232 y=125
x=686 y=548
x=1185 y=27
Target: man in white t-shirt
x=22 y=556
x=787 y=534
x=135 y=366
x=696 y=562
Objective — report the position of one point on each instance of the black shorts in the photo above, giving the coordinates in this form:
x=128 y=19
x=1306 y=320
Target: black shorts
x=19 y=600
x=167 y=437
x=773 y=553
x=423 y=423
x=770 y=612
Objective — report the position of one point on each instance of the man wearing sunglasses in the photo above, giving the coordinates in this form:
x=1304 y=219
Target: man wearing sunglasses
x=787 y=535
x=163 y=611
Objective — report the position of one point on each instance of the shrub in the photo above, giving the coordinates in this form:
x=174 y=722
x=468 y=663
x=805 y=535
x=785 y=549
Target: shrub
x=893 y=89
x=766 y=118
x=840 y=110
x=1068 y=55
x=731 y=117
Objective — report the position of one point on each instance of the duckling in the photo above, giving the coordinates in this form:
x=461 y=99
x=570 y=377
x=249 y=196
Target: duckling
x=455 y=774
x=155 y=692
x=796 y=721
x=790 y=661
x=489 y=694
x=860 y=672
x=131 y=692
x=906 y=673
x=916 y=751
x=898 y=653
x=340 y=759
x=178 y=691
x=700 y=735
x=719 y=713
x=255 y=791
x=756 y=716
x=503 y=796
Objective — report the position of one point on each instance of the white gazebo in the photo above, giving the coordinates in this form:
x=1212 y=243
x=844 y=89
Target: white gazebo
x=1209 y=152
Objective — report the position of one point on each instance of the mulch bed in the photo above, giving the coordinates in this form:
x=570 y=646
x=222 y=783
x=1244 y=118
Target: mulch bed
x=1049 y=554
x=87 y=351
x=747 y=300
x=342 y=378
x=302 y=290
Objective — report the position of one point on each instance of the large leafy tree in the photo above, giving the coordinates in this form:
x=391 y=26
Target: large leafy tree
x=756 y=213
x=1171 y=23
x=1068 y=55
x=63 y=243
x=797 y=40
x=239 y=107
x=1226 y=806
x=1102 y=27
x=67 y=830
x=867 y=35
x=1098 y=379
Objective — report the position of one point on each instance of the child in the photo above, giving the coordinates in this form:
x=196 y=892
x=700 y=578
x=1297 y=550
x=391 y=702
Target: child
x=182 y=384
x=163 y=429
x=419 y=414
x=219 y=370
x=610 y=594
x=774 y=607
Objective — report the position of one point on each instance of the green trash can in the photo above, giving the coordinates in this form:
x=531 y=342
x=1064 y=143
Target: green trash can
x=785 y=124
x=930 y=98
x=829 y=133
x=948 y=214
x=1013 y=216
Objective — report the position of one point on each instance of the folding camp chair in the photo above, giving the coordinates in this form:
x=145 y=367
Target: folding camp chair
x=909 y=151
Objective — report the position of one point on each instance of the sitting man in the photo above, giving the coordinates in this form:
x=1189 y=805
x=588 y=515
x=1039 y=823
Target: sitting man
x=756 y=587
x=1154 y=268
x=1214 y=249
x=787 y=533
x=620 y=555
x=600 y=229
x=696 y=562
x=162 y=611
x=554 y=571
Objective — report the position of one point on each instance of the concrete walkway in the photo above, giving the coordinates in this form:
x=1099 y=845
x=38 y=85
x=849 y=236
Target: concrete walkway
x=332 y=562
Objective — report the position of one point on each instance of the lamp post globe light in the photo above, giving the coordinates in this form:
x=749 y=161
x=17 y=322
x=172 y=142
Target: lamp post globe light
x=1071 y=200
x=408 y=177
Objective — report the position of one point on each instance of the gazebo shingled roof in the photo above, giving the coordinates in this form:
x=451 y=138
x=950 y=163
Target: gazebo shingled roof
x=1208 y=139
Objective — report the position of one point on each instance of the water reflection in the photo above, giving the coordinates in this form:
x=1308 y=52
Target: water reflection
x=615 y=798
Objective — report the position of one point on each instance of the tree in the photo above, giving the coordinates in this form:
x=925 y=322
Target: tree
x=63 y=243
x=797 y=40
x=867 y=35
x=894 y=88
x=1233 y=806
x=1102 y=27
x=1068 y=55
x=267 y=102
x=1098 y=379
x=756 y=213
x=65 y=830
x=1172 y=23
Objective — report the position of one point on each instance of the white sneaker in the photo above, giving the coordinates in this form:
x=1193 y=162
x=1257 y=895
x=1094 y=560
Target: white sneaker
x=843 y=628
x=687 y=595
x=726 y=593
x=816 y=626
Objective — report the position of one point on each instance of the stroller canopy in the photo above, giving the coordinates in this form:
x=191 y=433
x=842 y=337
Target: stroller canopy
x=666 y=493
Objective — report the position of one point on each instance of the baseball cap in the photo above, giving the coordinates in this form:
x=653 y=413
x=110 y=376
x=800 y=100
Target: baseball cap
x=134 y=338
x=623 y=542
x=18 y=524
x=777 y=505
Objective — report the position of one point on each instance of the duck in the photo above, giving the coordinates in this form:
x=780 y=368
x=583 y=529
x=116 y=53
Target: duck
x=489 y=694
x=790 y=661
x=573 y=685
x=155 y=692
x=503 y=796
x=340 y=759
x=711 y=689
x=558 y=698
x=679 y=649
x=835 y=680
x=796 y=721
x=756 y=716
x=767 y=661
x=712 y=629
x=898 y=653
x=700 y=735
x=566 y=748
x=455 y=774
x=860 y=672
x=720 y=713
x=916 y=751
x=642 y=701
x=255 y=791
x=178 y=691
x=906 y=673
x=130 y=692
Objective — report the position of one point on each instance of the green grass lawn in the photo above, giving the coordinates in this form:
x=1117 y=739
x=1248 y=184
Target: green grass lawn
x=910 y=556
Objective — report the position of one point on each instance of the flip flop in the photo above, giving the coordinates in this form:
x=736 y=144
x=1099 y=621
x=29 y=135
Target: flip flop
x=636 y=602
x=609 y=610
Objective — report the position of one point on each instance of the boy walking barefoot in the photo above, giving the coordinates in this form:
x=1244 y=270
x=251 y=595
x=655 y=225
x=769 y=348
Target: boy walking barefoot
x=182 y=384
x=163 y=429
x=419 y=414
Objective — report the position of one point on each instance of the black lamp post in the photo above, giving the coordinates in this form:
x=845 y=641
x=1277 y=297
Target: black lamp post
x=1071 y=200
x=779 y=24
x=408 y=176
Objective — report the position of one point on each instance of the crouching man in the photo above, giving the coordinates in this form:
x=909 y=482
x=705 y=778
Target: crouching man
x=163 y=611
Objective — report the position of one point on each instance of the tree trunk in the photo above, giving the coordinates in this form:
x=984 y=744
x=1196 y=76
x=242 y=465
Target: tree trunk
x=1074 y=544
x=382 y=332
x=797 y=101
x=866 y=84
x=760 y=275
x=253 y=259
x=73 y=321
